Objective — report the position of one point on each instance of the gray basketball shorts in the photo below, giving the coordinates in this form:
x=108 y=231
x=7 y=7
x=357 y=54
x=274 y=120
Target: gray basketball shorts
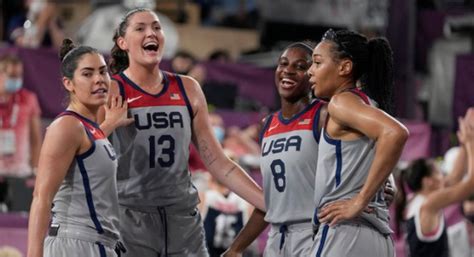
x=289 y=240
x=351 y=240
x=57 y=246
x=158 y=231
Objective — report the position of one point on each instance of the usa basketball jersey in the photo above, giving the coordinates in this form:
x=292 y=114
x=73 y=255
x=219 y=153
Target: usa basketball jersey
x=88 y=195
x=343 y=167
x=153 y=151
x=432 y=245
x=224 y=217
x=289 y=163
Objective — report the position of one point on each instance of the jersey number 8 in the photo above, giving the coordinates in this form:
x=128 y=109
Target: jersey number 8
x=278 y=171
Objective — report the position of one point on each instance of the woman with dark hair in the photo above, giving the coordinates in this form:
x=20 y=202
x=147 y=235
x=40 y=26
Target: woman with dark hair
x=360 y=145
x=289 y=142
x=422 y=216
x=77 y=166
x=158 y=202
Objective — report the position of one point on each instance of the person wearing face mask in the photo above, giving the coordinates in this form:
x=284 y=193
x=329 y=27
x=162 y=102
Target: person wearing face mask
x=20 y=125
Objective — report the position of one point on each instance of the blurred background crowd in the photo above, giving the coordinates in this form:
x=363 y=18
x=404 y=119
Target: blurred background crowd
x=231 y=48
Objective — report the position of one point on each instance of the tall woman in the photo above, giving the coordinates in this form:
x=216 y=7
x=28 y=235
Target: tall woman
x=360 y=144
x=77 y=166
x=158 y=201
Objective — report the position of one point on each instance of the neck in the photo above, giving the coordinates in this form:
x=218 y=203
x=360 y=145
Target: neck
x=344 y=86
x=144 y=76
x=86 y=111
x=290 y=109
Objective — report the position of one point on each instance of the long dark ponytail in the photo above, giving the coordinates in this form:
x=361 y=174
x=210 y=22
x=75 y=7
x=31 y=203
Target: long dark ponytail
x=372 y=63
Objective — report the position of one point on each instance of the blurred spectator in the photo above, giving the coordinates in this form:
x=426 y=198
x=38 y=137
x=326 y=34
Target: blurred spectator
x=461 y=234
x=224 y=214
x=221 y=56
x=242 y=141
x=185 y=63
x=39 y=26
x=230 y=13
x=99 y=27
x=20 y=125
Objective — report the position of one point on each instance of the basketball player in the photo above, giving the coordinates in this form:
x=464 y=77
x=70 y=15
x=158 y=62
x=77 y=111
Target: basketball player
x=158 y=201
x=289 y=190
x=359 y=146
x=423 y=216
x=77 y=166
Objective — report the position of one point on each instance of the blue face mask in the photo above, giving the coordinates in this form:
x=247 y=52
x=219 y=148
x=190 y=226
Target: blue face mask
x=219 y=133
x=13 y=85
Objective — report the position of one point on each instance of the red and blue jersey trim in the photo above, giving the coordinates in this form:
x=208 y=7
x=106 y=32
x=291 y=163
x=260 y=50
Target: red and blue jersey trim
x=93 y=130
x=304 y=120
x=172 y=94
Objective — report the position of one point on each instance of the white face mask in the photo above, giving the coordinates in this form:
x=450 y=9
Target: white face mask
x=132 y=4
x=13 y=85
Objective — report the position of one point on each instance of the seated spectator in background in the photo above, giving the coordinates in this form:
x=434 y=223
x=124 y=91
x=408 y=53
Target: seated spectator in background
x=185 y=63
x=461 y=234
x=221 y=56
x=20 y=126
x=243 y=141
x=39 y=27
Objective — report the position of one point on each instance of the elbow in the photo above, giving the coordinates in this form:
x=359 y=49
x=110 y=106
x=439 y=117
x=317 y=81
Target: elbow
x=398 y=135
x=402 y=134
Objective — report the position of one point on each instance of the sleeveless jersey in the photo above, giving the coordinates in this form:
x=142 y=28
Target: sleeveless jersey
x=153 y=151
x=224 y=217
x=435 y=245
x=288 y=164
x=88 y=195
x=343 y=167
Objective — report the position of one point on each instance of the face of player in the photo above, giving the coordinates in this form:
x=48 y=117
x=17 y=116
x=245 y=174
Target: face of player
x=436 y=179
x=91 y=80
x=291 y=78
x=144 y=39
x=324 y=72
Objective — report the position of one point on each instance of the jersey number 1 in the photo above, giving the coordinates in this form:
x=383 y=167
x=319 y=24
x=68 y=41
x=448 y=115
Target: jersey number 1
x=167 y=152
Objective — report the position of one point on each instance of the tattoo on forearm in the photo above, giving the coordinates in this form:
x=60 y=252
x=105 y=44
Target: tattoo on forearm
x=207 y=155
x=230 y=171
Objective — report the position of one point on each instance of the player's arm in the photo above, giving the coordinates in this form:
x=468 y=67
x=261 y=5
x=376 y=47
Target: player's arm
x=252 y=229
x=217 y=163
x=435 y=202
x=62 y=141
x=35 y=140
x=348 y=110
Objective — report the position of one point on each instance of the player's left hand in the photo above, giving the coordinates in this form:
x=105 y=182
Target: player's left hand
x=338 y=211
x=389 y=192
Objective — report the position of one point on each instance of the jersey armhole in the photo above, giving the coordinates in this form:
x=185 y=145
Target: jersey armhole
x=316 y=133
x=186 y=99
x=433 y=235
x=266 y=123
